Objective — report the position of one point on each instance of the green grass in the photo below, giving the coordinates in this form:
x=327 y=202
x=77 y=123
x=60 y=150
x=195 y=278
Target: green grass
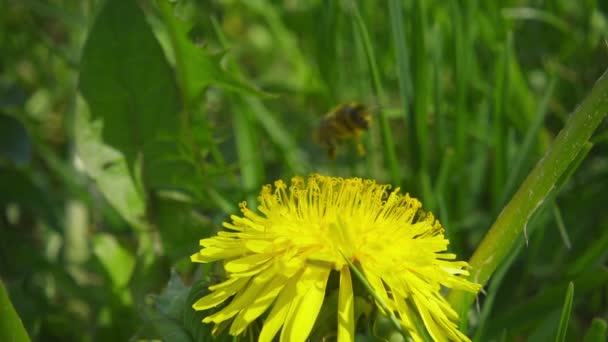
x=157 y=118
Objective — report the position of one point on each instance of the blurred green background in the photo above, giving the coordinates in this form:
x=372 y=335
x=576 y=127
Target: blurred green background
x=131 y=129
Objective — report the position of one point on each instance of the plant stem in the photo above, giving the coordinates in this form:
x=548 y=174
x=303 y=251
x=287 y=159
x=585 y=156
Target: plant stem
x=511 y=222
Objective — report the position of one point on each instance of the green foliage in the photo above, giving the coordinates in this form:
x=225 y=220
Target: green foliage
x=134 y=94
x=563 y=322
x=131 y=129
x=597 y=331
x=11 y=328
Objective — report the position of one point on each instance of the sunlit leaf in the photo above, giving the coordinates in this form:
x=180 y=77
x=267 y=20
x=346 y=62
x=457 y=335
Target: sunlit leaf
x=108 y=169
x=117 y=261
x=11 y=327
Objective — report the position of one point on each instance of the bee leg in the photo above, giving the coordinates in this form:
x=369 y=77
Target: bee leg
x=360 y=148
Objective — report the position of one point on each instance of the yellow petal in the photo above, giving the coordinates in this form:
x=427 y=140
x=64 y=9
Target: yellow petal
x=305 y=307
x=436 y=333
x=259 y=305
x=222 y=292
x=346 y=309
x=244 y=297
x=258 y=246
x=246 y=263
x=277 y=315
x=405 y=314
x=377 y=285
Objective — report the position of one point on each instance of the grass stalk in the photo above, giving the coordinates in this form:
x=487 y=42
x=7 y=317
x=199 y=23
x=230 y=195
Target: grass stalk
x=499 y=241
x=385 y=129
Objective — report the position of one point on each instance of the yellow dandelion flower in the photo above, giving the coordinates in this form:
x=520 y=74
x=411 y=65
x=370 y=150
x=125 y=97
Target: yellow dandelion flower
x=280 y=259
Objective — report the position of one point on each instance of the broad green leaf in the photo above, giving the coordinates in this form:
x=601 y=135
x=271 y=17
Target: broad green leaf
x=11 y=327
x=128 y=83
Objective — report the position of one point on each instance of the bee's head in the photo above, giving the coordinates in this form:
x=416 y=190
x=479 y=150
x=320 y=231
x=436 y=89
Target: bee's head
x=360 y=115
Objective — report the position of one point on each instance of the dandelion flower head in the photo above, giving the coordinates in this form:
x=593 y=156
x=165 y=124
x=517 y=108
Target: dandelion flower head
x=279 y=259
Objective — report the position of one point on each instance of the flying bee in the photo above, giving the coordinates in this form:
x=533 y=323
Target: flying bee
x=344 y=122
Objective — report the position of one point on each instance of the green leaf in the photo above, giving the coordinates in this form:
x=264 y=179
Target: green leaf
x=565 y=318
x=11 y=327
x=173 y=299
x=128 y=83
x=108 y=169
x=571 y=142
x=179 y=224
x=116 y=260
x=276 y=131
x=163 y=314
x=198 y=68
x=597 y=331
x=166 y=328
x=193 y=319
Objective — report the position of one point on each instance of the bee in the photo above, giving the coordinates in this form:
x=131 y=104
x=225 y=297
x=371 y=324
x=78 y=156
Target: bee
x=344 y=122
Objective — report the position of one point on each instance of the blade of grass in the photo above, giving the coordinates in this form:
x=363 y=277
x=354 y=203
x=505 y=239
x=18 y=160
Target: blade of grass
x=385 y=129
x=444 y=171
x=461 y=115
x=565 y=317
x=525 y=151
x=274 y=128
x=498 y=242
x=421 y=90
x=439 y=102
x=520 y=317
x=591 y=255
x=492 y=292
x=374 y=163
x=501 y=94
x=538 y=221
x=402 y=60
x=247 y=148
x=461 y=74
x=561 y=227
x=278 y=134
